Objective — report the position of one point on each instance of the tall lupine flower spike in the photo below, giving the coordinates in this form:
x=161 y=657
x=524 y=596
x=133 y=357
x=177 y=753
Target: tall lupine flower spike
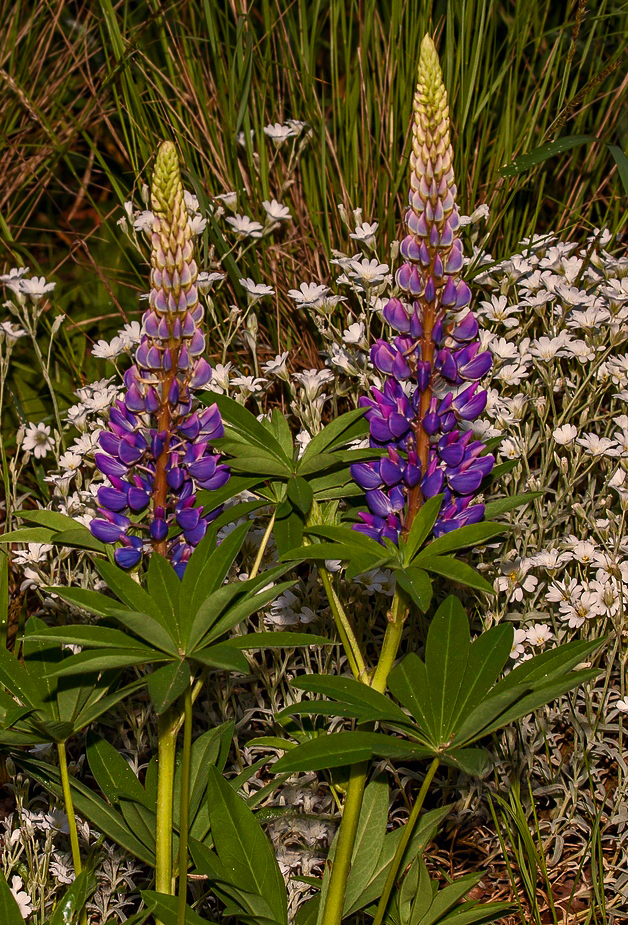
x=157 y=450
x=425 y=397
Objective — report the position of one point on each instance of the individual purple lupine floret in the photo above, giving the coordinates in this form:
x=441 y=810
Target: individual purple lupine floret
x=426 y=367
x=157 y=451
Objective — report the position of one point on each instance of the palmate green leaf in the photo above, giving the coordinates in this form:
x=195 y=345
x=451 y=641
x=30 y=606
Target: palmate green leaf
x=344 y=748
x=422 y=526
x=458 y=571
x=341 y=430
x=242 y=847
x=88 y=805
x=166 y=684
x=72 y=903
x=446 y=654
x=471 y=535
x=9 y=910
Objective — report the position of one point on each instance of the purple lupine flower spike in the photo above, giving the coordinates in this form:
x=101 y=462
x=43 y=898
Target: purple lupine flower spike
x=157 y=450
x=432 y=367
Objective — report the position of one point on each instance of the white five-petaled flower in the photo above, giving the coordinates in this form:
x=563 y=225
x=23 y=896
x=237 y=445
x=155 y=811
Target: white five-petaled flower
x=275 y=211
x=368 y=272
x=14 y=274
x=308 y=295
x=144 y=221
x=622 y=705
x=277 y=367
x=256 y=290
x=312 y=381
x=594 y=445
x=499 y=310
x=354 y=333
x=565 y=435
x=36 y=287
x=245 y=226
x=191 y=201
x=197 y=223
x=279 y=133
x=36 y=553
x=38 y=440
x=109 y=350
x=539 y=634
x=515 y=579
x=365 y=232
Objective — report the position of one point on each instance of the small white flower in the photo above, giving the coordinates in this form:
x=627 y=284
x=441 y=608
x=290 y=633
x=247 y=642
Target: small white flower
x=510 y=448
x=354 y=333
x=365 y=232
x=248 y=384
x=11 y=331
x=539 y=634
x=18 y=272
x=581 y=351
x=565 y=435
x=197 y=223
x=36 y=552
x=108 y=351
x=275 y=211
x=622 y=705
x=144 y=221
x=512 y=374
x=594 y=445
x=499 y=310
x=191 y=202
x=70 y=463
x=230 y=199
x=279 y=133
x=21 y=897
x=308 y=295
x=35 y=287
x=131 y=334
x=256 y=290
x=277 y=367
x=38 y=440
x=245 y=226
x=518 y=642
x=550 y=559
x=585 y=552
x=57 y=819
x=515 y=579
x=369 y=272
x=313 y=380
x=61 y=869
x=547 y=348
x=206 y=280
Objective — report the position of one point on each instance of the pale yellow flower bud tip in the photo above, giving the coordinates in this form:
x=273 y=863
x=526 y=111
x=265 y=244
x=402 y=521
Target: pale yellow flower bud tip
x=429 y=65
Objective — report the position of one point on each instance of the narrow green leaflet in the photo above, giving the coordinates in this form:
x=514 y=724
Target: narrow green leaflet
x=164 y=586
x=502 y=505
x=471 y=535
x=165 y=909
x=418 y=584
x=343 y=748
x=349 y=691
x=245 y=424
x=458 y=571
x=166 y=684
x=341 y=430
x=243 y=848
x=300 y=494
x=422 y=526
x=446 y=655
x=112 y=772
